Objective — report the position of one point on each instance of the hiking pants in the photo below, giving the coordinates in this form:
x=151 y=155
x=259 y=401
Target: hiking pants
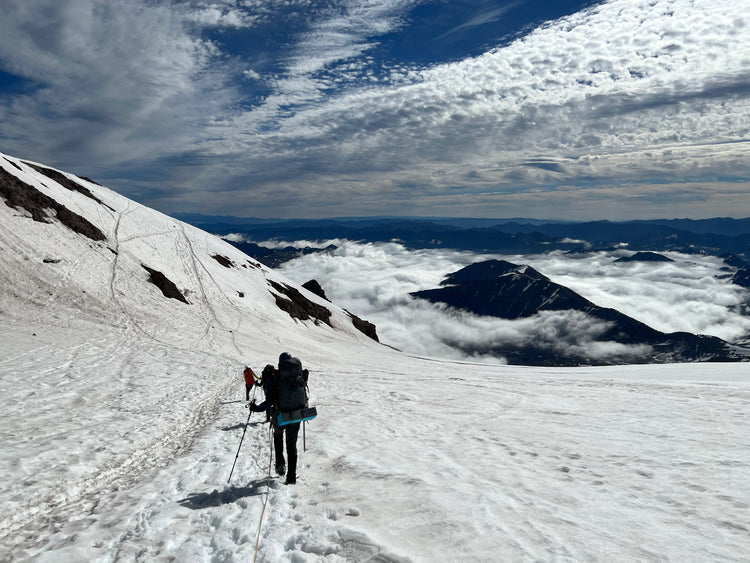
x=291 y=430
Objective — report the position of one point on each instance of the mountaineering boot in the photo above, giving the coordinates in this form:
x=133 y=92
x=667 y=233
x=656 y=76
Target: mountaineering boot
x=291 y=479
x=280 y=468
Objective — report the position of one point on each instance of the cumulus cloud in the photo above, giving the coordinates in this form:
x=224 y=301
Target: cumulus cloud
x=374 y=281
x=620 y=94
x=614 y=103
x=215 y=15
x=691 y=294
x=250 y=74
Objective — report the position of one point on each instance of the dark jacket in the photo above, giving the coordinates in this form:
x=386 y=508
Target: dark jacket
x=270 y=390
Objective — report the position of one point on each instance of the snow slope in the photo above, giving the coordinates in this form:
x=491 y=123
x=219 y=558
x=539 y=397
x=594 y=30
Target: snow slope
x=122 y=415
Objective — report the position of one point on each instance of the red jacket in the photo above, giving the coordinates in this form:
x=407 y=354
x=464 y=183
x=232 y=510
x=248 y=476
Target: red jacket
x=249 y=376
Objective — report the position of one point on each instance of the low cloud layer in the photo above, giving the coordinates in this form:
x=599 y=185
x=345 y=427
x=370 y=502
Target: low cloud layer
x=374 y=282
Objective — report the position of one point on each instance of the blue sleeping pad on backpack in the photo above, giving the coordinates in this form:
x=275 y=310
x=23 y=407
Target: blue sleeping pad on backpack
x=298 y=415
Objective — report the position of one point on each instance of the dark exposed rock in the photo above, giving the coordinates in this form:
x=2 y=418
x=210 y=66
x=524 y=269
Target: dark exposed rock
x=64 y=181
x=167 y=286
x=365 y=327
x=20 y=195
x=314 y=287
x=13 y=164
x=223 y=260
x=298 y=306
x=89 y=180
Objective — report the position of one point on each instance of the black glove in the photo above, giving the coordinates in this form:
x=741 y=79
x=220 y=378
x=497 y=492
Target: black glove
x=252 y=406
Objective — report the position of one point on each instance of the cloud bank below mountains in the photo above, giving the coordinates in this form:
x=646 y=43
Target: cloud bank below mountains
x=374 y=282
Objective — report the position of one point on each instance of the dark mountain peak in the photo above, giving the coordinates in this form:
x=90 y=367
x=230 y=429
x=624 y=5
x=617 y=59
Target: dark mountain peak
x=496 y=288
x=529 y=272
x=501 y=289
x=490 y=270
x=645 y=257
x=735 y=261
x=742 y=277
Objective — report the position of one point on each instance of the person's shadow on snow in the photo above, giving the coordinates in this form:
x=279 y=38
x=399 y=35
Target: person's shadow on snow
x=199 y=501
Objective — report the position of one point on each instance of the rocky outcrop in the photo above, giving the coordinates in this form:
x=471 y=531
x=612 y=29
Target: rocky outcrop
x=65 y=181
x=365 y=327
x=314 y=287
x=298 y=306
x=20 y=195
x=223 y=260
x=167 y=286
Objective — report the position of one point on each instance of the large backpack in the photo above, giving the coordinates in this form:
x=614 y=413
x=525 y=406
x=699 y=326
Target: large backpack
x=292 y=388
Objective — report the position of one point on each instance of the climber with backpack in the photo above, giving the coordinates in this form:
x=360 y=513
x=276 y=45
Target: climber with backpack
x=250 y=380
x=285 y=389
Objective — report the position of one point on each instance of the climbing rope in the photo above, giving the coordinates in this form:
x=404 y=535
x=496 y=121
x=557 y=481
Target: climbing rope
x=268 y=480
x=268 y=490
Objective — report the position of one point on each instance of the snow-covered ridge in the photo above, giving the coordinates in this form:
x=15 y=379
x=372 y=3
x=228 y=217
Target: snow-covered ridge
x=126 y=238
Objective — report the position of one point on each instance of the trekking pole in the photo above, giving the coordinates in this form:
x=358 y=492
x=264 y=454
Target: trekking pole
x=304 y=437
x=238 y=449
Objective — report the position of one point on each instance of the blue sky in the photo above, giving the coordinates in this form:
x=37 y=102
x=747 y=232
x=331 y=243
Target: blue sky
x=302 y=108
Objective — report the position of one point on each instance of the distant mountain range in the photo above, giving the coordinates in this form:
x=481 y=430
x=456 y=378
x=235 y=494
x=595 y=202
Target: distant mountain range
x=501 y=289
x=719 y=237
x=724 y=237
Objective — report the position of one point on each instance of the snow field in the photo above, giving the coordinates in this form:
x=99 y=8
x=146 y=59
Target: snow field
x=517 y=464
x=563 y=465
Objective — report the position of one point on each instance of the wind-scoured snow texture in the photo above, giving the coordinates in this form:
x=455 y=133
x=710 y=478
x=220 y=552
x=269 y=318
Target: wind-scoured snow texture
x=122 y=415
